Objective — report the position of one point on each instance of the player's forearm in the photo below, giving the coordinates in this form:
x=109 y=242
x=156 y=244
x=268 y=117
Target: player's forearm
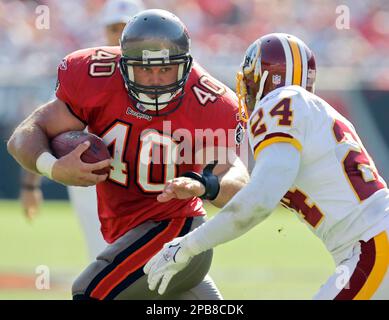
x=272 y=176
x=240 y=215
x=27 y=142
x=231 y=182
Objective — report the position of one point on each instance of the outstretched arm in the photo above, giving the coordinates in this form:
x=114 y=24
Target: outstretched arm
x=274 y=173
x=231 y=173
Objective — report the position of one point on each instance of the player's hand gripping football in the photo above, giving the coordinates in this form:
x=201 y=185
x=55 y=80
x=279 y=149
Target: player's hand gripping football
x=71 y=170
x=181 y=188
x=166 y=263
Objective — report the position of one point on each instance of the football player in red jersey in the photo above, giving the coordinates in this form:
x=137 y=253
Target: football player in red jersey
x=114 y=15
x=155 y=108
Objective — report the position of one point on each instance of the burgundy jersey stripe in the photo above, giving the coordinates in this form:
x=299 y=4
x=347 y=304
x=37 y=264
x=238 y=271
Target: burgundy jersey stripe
x=273 y=135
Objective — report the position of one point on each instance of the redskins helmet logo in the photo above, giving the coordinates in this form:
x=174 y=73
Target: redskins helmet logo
x=251 y=57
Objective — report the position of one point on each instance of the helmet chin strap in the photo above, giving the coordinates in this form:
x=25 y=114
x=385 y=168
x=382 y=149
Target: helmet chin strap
x=261 y=85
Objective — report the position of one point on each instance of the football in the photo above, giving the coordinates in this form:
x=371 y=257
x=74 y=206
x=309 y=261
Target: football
x=66 y=142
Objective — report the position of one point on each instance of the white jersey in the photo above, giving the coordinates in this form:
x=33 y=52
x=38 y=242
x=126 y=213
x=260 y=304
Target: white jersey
x=338 y=191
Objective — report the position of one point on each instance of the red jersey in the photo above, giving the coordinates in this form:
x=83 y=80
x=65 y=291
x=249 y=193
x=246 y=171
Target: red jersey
x=147 y=150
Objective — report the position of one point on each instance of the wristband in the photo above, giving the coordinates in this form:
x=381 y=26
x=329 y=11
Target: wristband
x=208 y=179
x=45 y=163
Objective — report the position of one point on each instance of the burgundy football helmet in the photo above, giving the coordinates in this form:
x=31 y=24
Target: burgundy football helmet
x=273 y=61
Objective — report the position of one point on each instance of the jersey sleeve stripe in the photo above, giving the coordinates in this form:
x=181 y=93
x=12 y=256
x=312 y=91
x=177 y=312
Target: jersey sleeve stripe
x=275 y=138
x=74 y=114
x=127 y=269
x=370 y=270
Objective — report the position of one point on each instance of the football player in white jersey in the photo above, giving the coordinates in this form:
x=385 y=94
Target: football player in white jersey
x=310 y=159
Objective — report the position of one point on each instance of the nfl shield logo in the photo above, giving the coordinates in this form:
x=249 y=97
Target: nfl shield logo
x=276 y=79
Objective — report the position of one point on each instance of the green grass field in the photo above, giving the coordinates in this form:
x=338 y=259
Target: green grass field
x=279 y=259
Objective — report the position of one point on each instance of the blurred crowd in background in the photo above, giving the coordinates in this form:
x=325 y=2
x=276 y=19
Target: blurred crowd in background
x=221 y=30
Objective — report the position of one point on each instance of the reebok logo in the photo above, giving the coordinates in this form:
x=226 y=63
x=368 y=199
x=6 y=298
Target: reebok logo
x=138 y=115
